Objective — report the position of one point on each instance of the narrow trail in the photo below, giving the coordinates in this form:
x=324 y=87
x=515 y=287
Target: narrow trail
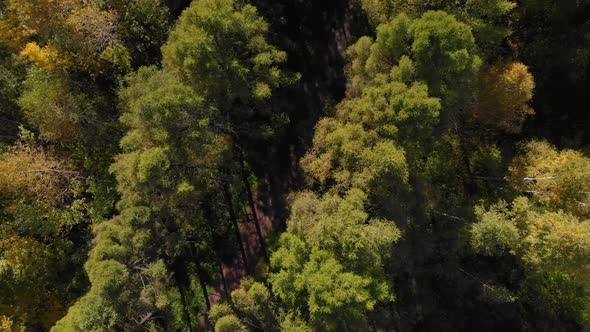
x=315 y=35
x=235 y=271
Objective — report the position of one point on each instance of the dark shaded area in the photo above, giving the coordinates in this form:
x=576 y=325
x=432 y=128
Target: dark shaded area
x=177 y=6
x=315 y=35
x=554 y=39
x=11 y=77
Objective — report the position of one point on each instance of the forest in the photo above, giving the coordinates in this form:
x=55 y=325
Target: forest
x=294 y=165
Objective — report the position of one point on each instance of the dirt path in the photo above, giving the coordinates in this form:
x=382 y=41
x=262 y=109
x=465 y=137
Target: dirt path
x=315 y=34
x=235 y=271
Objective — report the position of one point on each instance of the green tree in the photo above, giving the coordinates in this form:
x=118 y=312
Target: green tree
x=444 y=51
x=431 y=56
x=254 y=305
x=11 y=76
x=397 y=107
x=50 y=106
x=487 y=18
x=167 y=159
x=342 y=153
x=143 y=26
x=329 y=262
x=220 y=48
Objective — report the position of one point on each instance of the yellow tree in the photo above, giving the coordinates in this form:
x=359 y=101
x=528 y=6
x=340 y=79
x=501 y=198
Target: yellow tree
x=30 y=170
x=548 y=231
x=49 y=105
x=40 y=262
x=23 y=19
x=502 y=97
x=64 y=34
x=556 y=179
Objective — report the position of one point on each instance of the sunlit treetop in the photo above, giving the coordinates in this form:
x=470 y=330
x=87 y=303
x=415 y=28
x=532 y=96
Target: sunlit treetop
x=329 y=262
x=544 y=240
x=556 y=179
x=502 y=97
x=434 y=48
x=487 y=18
x=220 y=47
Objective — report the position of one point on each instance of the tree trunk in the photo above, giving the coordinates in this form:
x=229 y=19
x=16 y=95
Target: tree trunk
x=232 y=215
x=201 y=275
x=182 y=279
x=253 y=208
x=223 y=282
x=469 y=185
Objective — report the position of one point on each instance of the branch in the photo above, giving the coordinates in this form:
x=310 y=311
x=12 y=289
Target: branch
x=450 y=216
x=537 y=179
x=531 y=191
x=527 y=179
x=144 y=319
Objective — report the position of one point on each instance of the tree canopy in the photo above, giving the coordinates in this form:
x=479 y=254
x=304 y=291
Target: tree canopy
x=301 y=166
